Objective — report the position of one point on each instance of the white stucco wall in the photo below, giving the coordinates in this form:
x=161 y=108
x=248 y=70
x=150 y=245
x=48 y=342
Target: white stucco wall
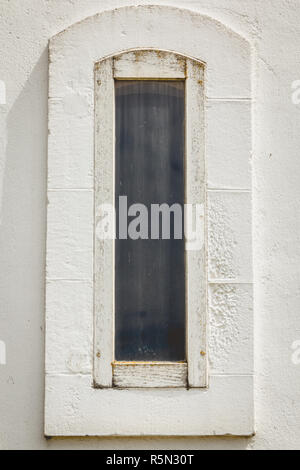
x=273 y=28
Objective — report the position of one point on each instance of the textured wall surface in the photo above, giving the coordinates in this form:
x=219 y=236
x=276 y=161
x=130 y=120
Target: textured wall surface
x=273 y=29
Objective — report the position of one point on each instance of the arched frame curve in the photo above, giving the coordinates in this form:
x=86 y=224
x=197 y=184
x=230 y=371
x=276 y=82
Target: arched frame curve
x=227 y=405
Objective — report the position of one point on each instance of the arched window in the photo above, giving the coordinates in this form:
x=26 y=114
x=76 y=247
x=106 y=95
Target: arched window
x=128 y=117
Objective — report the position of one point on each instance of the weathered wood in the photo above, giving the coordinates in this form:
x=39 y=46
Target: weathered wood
x=196 y=252
x=104 y=248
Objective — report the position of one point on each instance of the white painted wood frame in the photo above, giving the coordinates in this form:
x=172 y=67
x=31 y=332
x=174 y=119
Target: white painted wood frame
x=73 y=405
x=155 y=65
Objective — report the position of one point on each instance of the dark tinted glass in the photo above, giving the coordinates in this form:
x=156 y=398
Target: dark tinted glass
x=149 y=274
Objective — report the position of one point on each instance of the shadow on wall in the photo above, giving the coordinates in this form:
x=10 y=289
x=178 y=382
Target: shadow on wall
x=22 y=258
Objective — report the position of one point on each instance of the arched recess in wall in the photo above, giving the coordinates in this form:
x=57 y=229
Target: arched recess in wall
x=226 y=407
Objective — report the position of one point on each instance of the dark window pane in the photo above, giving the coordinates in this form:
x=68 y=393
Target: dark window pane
x=150 y=274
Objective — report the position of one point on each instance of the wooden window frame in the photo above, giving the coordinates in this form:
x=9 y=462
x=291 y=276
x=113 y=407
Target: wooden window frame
x=143 y=65
x=73 y=406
